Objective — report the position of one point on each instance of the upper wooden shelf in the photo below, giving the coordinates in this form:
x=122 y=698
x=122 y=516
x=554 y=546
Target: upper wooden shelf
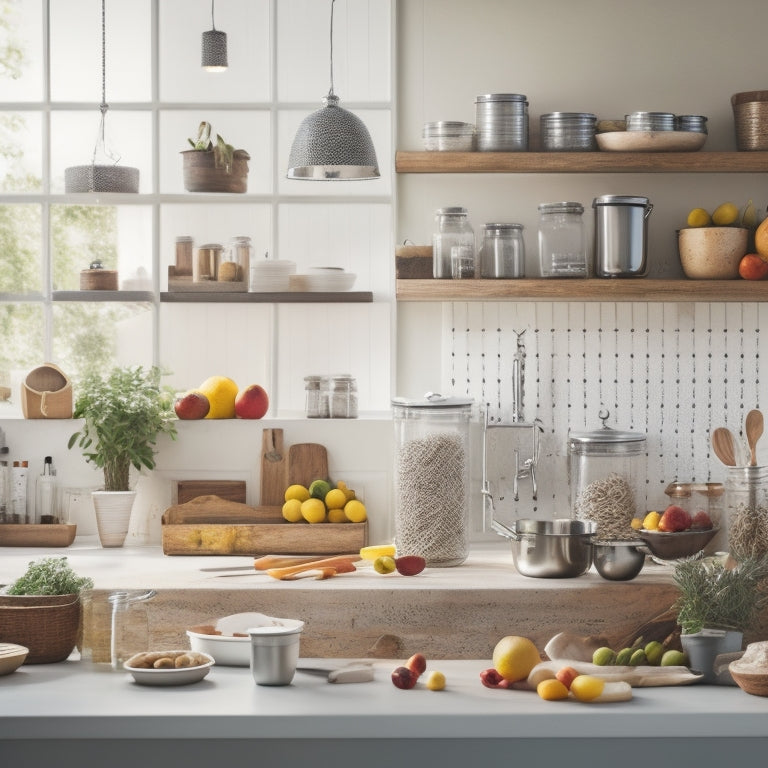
x=288 y=297
x=581 y=162
x=597 y=289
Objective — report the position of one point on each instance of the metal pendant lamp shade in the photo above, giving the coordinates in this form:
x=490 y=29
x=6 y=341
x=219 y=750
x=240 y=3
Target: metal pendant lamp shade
x=214 y=48
x=332 y=144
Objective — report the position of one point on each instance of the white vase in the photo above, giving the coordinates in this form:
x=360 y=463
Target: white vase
x=113 y=515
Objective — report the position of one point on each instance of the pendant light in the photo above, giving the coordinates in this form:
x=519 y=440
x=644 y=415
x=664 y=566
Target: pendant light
x=103 y=174
x=332 y=143
x=214 y=48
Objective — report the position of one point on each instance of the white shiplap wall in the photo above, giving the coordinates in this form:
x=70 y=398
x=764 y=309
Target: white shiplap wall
x=672 y=371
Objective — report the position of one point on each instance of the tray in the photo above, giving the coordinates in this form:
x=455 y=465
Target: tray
x=650 y=141
x=34 y=535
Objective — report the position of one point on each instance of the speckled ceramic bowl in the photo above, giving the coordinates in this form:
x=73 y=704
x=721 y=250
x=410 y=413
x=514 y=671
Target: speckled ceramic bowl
x=712 y=253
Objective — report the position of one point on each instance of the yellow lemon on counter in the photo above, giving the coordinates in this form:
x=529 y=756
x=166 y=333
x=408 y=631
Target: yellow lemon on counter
x=725 y=215
x=337 y=515
x=651 y=521
x=374 y=551
x=292 y=511
x=335 y=499
x=313 y=511
x=698 y=217
x=299 y=492
x=514 y=657
x=355 y=511
x=221 y=393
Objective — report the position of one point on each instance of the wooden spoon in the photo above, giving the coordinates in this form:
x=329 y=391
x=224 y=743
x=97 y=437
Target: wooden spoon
x=754 y=429
x=724 y=447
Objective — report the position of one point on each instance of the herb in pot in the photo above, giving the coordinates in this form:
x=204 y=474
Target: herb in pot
x=49 y=576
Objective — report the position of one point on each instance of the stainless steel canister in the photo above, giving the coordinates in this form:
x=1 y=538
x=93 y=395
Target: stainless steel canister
x=501 y=122
x=568 y=132
x=621 y=235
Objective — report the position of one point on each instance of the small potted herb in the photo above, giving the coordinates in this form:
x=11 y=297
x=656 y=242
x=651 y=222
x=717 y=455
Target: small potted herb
x=124 y=412
x=41 y=610
x=717 y=604
x=214 y=166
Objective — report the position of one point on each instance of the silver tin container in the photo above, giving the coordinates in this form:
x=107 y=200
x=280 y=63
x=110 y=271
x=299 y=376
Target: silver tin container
x=448 y=136
x=651 y=121
x=502 y=122
x=621 y=235
x=275 y=653
x=568 y=132
x=695 y=123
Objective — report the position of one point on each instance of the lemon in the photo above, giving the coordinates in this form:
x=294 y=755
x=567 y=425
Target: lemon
x=514 y=657
x=355 y=511
x=313 y=511
x=749 y=216
x=725 y=215
x=651 y=521
x=377 y=550
x=221 y=393
x=698 y=217
x=292 y=511
x=296 y=492
x=348 y=492
x=335 y=499
x=318 y=489
x=337 y=516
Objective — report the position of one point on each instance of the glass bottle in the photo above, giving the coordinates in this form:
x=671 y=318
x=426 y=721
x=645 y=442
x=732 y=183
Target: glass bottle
x=5 y=491
x=45 y=494
x=746 y=511
x=562 y=247
x=453 y=242
x=432 y=465
x=502 y=254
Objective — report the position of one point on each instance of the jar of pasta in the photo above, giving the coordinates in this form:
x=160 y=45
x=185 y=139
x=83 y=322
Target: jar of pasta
x=606 y=475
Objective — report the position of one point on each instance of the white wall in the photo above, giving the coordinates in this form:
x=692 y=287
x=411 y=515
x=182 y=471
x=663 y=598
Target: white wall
x=673 y=371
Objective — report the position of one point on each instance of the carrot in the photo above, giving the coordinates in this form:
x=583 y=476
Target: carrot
x=282 y=561
x=340 y=564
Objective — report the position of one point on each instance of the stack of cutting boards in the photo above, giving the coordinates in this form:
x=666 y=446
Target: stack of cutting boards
x=212 y=518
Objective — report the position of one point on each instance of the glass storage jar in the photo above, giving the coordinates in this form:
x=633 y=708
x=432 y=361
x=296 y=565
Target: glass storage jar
x=452 y=231
x=746 y=511
x=606 y=469
x=236 y=264
x=502 y=254
x=432 y=478
x=316 y=397
x=562 y=247
x=206 y=264
x=342 y=397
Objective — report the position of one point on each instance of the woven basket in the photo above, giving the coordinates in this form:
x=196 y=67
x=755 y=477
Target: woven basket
x=46 y=393
x=46 y=624
x=202 y=175
x=750 y=113
x=101 y=178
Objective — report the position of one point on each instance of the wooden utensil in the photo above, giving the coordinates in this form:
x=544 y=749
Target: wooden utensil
x=724 y=446
x=307 y=462
x=273 y=468
x=754 y=429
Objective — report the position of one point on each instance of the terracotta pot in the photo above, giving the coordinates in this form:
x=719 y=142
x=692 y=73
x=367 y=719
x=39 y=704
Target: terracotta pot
x=202 y=175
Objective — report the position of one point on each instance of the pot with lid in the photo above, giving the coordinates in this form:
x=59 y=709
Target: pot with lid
x=606 y=474
x=621 y=235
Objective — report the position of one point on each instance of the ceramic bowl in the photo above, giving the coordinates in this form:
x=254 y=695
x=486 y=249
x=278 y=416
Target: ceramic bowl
x=750 y=672
x=169 y=676
x=12 y=656
x=227 y=650
x=712 y=253
x=618 y=560
x=671 y=546
x=755 y=683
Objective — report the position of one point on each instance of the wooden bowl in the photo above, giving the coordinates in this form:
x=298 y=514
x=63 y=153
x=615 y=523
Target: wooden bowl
x=671 y=546
x=755 y=683
x=712 y=253
x=12 y=656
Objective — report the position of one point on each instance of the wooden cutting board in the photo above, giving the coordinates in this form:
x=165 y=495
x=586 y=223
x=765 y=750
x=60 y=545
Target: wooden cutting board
x=229 y=490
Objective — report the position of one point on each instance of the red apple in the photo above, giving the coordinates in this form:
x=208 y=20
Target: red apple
x=674 y=519
x=191 y=405
x=251 y=402
x=404 y=678
x=701 y=521
x=566 y=675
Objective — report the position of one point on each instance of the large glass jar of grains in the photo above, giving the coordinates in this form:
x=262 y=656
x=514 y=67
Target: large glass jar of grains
x=607 y=479
x=432 y=478
x=746 y=511
x=453 y=244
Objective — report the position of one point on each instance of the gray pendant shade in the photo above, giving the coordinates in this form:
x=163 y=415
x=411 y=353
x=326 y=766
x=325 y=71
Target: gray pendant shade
x=214 y=50
x=332 y=144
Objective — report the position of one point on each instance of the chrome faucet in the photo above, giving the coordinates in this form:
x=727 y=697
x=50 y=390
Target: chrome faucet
x=518 y=373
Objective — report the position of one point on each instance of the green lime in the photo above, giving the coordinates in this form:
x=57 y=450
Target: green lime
x=384 y=564
x=319 y=489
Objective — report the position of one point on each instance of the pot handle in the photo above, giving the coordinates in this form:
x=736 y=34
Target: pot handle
x=648 y=209
x=503 y=530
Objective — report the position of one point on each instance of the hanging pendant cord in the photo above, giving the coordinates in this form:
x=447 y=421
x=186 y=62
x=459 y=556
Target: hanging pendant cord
x=213 y=25
x=330 y=93
x=104 y=105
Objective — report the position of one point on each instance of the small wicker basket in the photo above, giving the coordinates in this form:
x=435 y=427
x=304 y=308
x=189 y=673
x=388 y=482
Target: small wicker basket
x=46 y=624
x=202 y=175
x=750 y=113
x=46 y=393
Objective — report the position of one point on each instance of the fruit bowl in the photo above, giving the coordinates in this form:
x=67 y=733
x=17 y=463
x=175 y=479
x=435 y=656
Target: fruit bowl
x=672 y=546
x=712 y=253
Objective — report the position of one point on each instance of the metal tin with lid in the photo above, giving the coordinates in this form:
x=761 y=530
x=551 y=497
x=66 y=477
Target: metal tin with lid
x=501 y=122
x=607 y=478
x=431 y=474
x=621 y=235
x=448 y=136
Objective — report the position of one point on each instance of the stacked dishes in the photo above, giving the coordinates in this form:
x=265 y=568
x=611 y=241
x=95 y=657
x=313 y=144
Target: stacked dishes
x=270 y=276
x=448 y=136
x=568 y=132
x=502 y=122
x=651 y=121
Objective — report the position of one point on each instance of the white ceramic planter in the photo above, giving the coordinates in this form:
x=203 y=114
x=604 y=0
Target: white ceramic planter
x=704 y=647
x=113 y=515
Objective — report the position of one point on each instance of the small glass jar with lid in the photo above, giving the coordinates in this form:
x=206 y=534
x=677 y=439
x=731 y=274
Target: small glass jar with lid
x=316 y=396
x=236 y=262
x=746 y=511
x=607 y=479
x=562 y=247
x=453 y=241
x=502 y=254
x=206 y=264
x=342 y=397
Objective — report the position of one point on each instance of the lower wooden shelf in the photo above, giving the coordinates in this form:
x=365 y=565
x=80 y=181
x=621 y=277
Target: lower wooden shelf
x=288 y=297
x=592 y=289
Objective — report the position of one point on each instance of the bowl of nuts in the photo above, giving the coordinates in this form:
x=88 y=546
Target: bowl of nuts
x=179 y=667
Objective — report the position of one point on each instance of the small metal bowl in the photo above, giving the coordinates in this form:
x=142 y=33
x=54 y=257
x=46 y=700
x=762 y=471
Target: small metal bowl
x=618 y=560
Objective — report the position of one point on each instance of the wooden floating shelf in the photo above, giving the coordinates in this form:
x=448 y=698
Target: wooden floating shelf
x=592 y=289
x=100 y=295
x=288 y=297
x=581 y=162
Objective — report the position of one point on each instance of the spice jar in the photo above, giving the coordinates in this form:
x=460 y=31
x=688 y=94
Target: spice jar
x=502 y=254
x=206 y=264
x=432 y=478
x=606 y=477
x=184 y=247
x=238 y=261
x=562 y=247
x=342 y=397
x=746 y=511
x=453 y=240
x=316 y=397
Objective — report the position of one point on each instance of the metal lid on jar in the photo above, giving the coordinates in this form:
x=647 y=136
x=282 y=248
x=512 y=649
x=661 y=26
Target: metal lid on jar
x=502 y=97
x=455 y=210
x=619 y=200
x=501 y=228
x=448 y=128
x=606 y=434
x=433 y=400
x=564 y=207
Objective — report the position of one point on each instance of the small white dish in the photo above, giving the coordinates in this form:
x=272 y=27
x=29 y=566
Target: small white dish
x=176 y=676
x=651 y=141
x=228 y=651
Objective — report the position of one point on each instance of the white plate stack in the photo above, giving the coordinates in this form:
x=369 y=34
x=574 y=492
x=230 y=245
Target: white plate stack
x=271 y=275
x=323 y=280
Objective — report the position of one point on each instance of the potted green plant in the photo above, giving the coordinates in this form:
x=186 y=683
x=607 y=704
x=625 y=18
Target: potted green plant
x=718 y=602
x=214 y=166
x=41 y=610
x=123 y=414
